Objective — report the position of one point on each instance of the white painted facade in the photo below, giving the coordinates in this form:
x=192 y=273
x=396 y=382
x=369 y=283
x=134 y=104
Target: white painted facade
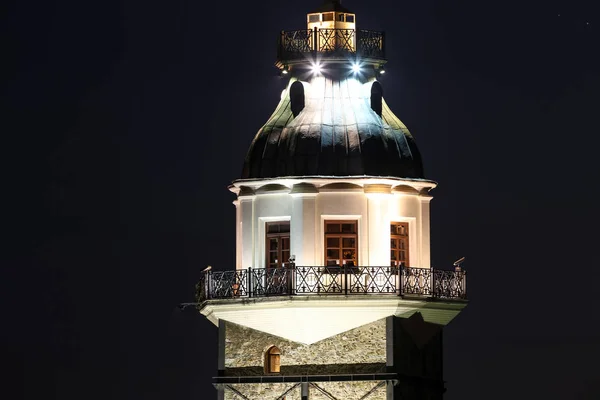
x=308 y=202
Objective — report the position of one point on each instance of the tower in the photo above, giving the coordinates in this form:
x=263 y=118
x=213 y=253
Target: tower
x=333 y=295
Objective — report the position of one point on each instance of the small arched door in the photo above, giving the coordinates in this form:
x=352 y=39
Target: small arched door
x=273 y=360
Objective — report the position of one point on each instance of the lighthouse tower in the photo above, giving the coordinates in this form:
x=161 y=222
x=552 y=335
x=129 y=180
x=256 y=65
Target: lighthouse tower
x=333 y=295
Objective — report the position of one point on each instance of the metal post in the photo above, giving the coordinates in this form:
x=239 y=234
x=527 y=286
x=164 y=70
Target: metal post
x=401 y=280
x=432 y=291
x=345 y=279
x=249 y=280
x=291 y=273
x=315 y=44
x=464 y=284
x=304 y=390
x=207 y=280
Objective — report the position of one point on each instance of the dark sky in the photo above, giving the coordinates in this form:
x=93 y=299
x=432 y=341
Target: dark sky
x=124 y=122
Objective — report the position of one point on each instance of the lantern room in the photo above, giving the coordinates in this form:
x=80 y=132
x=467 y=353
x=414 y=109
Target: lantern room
x=331 y=15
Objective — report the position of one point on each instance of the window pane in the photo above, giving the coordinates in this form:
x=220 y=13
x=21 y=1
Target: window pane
x=313 y=18
x=285 y=243
x=328 y=17
x=284 y=227
x=349 y=18
x=333 y=253
x=349 y=254
x=392 y=255
x=332 y=228
x=393 y=243
x=273 y=244
x=348 y=228
x=333 y=242
x=273 y=257
x=348 y=242
x=285 y=256
x=341 y=17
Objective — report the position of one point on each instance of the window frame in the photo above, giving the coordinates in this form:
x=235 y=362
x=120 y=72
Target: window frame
x=341 y=235
x=400 y=238
x=328 y=16
x=281 y=261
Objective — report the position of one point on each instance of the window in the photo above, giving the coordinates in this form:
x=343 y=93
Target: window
x=327 y=17
x=297 y=97
x=273 y=360
x=278 y=243
x=377 y=98
x=399 y=244
x=313 y=18
x=349 y=17
x=341 y=243
x=341 y=17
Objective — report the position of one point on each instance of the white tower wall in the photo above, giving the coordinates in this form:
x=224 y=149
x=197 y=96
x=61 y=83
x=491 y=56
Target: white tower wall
x=355 y=199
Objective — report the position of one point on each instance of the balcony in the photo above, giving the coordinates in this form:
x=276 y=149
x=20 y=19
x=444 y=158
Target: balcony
x=295 y=280
x=297 y=45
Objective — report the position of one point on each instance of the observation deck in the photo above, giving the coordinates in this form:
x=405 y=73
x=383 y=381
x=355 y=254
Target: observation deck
x=333 y=280
x=296 y=47
x=307 y=304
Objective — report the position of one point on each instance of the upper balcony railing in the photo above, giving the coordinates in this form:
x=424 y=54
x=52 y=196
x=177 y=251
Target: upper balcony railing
x=295 y=280
x=297 y=45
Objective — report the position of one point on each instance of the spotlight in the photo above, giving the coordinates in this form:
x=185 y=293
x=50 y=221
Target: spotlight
x=285 y=70
x=356 y=68
x=316 y=69
x=381 y=70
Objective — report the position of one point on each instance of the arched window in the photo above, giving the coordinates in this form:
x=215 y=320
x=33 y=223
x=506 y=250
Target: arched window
x=272 y=360
x=297 y=97
x=376 y=97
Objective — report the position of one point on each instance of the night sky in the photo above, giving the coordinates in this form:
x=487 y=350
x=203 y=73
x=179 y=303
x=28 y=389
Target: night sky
x=123 y=123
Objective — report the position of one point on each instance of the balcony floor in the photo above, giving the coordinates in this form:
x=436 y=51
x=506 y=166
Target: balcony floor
x=309 y=319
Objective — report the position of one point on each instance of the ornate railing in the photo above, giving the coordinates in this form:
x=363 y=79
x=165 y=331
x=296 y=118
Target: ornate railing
x=299 y=44
x=295 y=280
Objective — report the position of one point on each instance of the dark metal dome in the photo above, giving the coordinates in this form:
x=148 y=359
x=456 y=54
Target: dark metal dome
x=331 y=5
x=336 y=133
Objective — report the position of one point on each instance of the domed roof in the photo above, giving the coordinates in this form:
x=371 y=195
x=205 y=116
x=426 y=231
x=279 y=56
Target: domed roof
x=332 y=129
x=331 y=5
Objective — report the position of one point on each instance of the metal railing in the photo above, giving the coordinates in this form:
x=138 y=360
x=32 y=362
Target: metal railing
x=298 y=44
x=295 y=280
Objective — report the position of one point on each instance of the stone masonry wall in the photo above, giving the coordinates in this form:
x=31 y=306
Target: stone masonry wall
x=263 y=391
x=339 y=390
x=360 y=350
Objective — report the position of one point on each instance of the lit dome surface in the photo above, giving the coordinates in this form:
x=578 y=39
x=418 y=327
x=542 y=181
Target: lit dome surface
x=337 y=133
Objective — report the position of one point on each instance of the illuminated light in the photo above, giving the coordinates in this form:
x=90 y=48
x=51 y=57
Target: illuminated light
x=356 y=68
x=316 y=69
x=381 y=70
